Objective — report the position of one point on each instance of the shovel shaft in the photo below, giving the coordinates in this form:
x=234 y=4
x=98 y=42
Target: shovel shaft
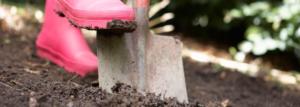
x=122 y=57
x=116 y=61
x=142 y=4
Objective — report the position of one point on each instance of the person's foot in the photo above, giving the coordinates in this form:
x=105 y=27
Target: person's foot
x=93 y=14
x=64 y=44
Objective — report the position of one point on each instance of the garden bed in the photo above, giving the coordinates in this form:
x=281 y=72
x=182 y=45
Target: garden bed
x=26 y=80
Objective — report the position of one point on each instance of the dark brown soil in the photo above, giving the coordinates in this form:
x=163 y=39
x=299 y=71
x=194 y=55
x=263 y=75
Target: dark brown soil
x=121 y=26
x=207 y=83
x=26 y=80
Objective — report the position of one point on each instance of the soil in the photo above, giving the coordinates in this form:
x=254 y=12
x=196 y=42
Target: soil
x=27 y=80
x=122 y=26
x=207 y=83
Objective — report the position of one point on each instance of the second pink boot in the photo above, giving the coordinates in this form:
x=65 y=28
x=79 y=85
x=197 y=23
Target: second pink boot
x=64 y=44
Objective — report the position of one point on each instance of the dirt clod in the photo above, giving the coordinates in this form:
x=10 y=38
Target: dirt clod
x=60 y=13
x=121 y=26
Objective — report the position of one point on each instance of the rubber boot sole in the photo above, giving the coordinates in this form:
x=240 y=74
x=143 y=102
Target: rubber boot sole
x=70 y=66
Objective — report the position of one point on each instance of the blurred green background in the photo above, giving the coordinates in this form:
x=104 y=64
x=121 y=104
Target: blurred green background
x=255 y=26
x=252 y=27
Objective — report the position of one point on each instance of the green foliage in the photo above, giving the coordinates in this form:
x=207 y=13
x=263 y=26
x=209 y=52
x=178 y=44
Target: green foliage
x=217 y=67
x=6 y=41
x=34 y=4
x=27 y=1
x=152 y=2
x=255 y=26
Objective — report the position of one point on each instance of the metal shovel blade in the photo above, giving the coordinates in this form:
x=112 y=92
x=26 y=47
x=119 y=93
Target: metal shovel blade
x=150 y=62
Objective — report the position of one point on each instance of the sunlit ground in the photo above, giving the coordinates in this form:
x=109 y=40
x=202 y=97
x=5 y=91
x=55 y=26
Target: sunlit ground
x=249 y=69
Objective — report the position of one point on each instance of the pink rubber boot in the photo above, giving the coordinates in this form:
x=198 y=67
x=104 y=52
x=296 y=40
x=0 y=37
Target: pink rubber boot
x=93 y=14
x=64 y=44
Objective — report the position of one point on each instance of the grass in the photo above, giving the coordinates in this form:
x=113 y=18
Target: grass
x=35 y=6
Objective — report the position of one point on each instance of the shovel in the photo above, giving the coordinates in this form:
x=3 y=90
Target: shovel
x=153 y=63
